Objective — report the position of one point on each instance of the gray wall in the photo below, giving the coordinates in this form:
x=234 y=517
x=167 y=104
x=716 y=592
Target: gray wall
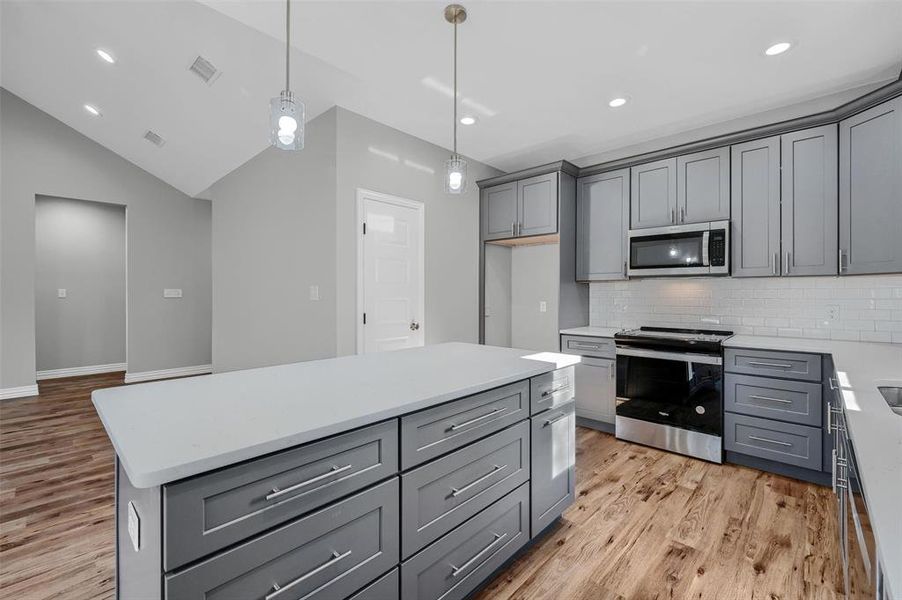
x=80 y=246
x=534 y=278
x=168 y=242
x=497 y=295
x=377 y=157
x=273 y=237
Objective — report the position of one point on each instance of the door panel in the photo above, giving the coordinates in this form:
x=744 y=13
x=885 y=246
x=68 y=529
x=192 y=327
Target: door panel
x=653 y=196
x=810 y=208
x=595 y=389
x=537 y=205
x=553 y=480
x=703 y=186
x=602 y=220
x=392 y=276
x=499 y=206
x=755 y=199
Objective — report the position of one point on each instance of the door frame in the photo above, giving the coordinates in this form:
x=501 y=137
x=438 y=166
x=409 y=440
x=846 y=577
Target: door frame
x=363 y=195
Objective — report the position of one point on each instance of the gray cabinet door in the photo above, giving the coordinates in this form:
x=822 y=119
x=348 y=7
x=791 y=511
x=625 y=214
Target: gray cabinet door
x=387 y=587
x=602 y=220
x=770 y=363
x=499 y=211
x=553 y=460
x=596 y=389
x=810 y=205
x=870 y=190
x=703 y=186
x=779 y=399
x=755 y=199
x=537 y=205
x=653 y=194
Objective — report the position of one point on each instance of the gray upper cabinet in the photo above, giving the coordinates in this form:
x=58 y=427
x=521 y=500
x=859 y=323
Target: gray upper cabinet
x=755 y=200
x=499 y=206
x=870 y=190
x=703 y=186
x=654 y=194
x=810 y=207
x=602 y=220
x=537 y=205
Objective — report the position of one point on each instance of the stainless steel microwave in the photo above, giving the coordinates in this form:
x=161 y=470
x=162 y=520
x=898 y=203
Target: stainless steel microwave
x=698 y=249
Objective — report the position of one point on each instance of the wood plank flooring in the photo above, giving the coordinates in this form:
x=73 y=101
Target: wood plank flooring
x=646 y=524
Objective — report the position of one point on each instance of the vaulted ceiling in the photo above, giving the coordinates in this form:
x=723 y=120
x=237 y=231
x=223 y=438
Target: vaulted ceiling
x=536 y=75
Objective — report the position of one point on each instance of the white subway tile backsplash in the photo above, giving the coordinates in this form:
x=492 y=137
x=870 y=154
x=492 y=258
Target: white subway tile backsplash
x=867 y=308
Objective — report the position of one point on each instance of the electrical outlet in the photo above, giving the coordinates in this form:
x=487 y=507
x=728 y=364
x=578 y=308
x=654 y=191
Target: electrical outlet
x=172 y=293
x=314 y=292
x=543 y=306
x=61 y=293
x=832 y=312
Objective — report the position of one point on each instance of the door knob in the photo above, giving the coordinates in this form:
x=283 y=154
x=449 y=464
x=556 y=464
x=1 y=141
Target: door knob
x=414 y=325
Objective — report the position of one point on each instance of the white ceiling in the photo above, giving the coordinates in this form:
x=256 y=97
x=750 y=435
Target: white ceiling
x=537 y=75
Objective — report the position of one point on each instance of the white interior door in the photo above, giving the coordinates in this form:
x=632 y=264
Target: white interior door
x=390 y=273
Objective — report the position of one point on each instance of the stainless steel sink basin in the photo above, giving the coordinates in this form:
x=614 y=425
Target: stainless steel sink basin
x=893 y=397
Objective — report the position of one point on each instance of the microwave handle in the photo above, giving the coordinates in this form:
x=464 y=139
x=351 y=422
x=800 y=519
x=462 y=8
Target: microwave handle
x=706 y=259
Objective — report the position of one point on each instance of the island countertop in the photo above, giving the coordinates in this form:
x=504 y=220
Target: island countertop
x=169 y=430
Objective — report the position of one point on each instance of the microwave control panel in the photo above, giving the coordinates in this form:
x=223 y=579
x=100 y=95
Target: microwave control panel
x=717 y=248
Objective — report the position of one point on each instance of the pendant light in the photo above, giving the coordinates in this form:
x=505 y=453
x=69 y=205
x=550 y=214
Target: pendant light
x=286 y=112
x=456 y=167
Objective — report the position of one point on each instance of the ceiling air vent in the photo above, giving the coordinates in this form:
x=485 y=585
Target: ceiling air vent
x=204 y=69
x=154 y=138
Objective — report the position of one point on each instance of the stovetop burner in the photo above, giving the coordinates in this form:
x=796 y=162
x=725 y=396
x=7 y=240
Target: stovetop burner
x=696 y=340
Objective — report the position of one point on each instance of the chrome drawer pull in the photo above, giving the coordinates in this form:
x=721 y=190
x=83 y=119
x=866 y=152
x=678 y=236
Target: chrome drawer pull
x=770 y=364
x=455 y=571
x=554 y=419
x=584 y=346
x=547 y=393
x=477 y=419
x=278 y=589
x=756 y=397
x=834 y=385
x=276 y=492
x=761 y=439
x=455 y=492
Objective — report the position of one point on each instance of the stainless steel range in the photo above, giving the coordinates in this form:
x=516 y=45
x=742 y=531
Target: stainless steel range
x=670 y=389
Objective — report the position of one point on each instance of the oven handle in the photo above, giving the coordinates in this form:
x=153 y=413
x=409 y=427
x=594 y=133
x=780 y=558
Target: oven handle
x=704 y=359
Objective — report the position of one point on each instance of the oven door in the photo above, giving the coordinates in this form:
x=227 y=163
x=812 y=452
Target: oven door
x=675 y=389
x=680 y=250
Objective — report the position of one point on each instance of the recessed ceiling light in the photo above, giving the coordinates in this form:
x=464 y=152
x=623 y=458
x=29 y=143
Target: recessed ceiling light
x=778 y=48
x=616 y=102
x=467 y=120
x=106 y=56
x=92 y=109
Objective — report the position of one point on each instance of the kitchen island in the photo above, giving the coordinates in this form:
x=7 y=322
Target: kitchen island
x=410 y=474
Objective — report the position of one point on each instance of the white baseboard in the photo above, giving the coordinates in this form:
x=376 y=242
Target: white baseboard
x=18 y=392
x=76 y=371
x=168 y=373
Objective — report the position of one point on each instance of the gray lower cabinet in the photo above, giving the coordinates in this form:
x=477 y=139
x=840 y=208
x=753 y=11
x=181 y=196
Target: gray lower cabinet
x=458 y=563
x=206 y=513
x=870 y=189
x=703 y=186
x=786 y=400
x=551 y=390
x=602 y=220
x=327 y=554
x=499 y=211
x=430 y=433
x=387 y=587
x=771 y=363
x=553 y=464
x=441 y=495
x=809 y=202
x=584 y=345
x=755 y=199
x=786 y=443
x=653 y=194
x=537 y=205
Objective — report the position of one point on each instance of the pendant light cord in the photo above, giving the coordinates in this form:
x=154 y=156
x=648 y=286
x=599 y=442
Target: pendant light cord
x=455 y=87
x=287 y=42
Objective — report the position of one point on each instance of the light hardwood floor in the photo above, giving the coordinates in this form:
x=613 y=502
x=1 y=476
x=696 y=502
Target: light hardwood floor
x=646 y=524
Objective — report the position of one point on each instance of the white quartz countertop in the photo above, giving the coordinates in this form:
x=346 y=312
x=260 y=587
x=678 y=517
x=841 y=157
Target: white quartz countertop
x=604 y=332
x=875 y=430
x=168 y=430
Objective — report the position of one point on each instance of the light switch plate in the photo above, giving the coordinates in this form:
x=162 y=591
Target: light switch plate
x=172 y=293
x=61 y=293
x=314 y=292
x=134 y=526
x=543 y=306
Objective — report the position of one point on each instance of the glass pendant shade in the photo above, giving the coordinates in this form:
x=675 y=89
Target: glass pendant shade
x=455 y=175
x=286 y=122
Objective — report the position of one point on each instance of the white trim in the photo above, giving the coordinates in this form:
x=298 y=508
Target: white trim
x=168 y=373
x=18 y=392
x=362 y=196
x=75 y=371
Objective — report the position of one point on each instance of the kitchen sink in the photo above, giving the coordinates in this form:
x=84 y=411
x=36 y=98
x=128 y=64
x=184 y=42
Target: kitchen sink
x=893 y=397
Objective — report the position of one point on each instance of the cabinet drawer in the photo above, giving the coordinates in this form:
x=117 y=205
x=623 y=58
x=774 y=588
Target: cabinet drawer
x=793 y=401
x=210 y=512
x=439 y=496
x=552 y=465
x=551 y=390
x=588 y=346
x=788 y=443
x=327 y=554
x=387 y=587
x=791 y=365
x=436 y=431
x=458 y=563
